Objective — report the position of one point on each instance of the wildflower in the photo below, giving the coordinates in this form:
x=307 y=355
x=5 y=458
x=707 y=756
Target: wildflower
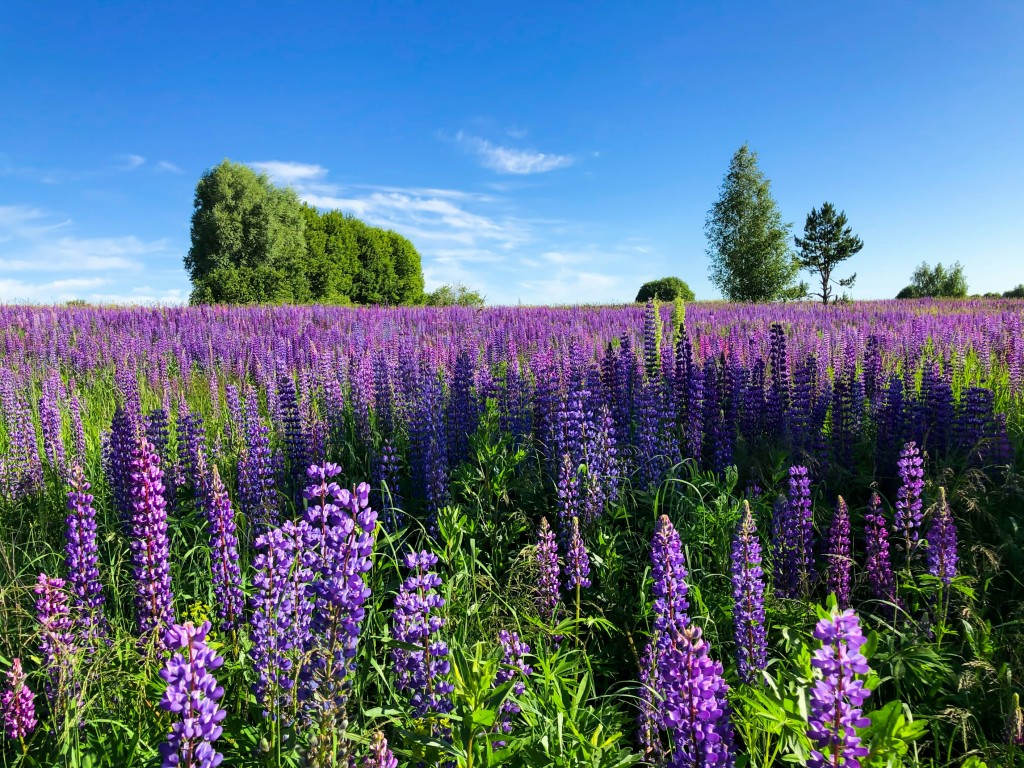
x=17 y=705
x=840 y=555
x=57 y=639
x=81 y=556
x=380 y=756
x=908 y=498
x=548 y=576
x=192 y=693
x=748 y=593
x=514 y=652
x=227 y=576
x=837 y=694
x=942 y=555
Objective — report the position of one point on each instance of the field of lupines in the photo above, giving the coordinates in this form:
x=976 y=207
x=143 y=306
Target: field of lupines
x=725 y=535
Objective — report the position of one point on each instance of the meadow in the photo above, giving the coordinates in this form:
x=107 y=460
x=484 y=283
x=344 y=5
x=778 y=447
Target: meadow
x=711 y=535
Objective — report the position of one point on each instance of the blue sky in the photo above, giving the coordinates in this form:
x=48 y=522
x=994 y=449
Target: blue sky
x=541 y=152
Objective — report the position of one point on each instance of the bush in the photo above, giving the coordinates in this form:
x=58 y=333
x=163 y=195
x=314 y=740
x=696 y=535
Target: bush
x=665 y=289
x=454 y=295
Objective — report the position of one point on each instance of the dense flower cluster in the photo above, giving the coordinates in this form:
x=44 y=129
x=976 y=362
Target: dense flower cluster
x=748 y=593
x=81 y=556
x=149 y=544
x=422 y=673
x=793 y=537
x=838 y=693
x=17 y=704
x=227 y=576
x=548 y=573
x=380 y=756
x=577 y=561
x=942 y=557
x=840 y=555
x=256 y=492
x=908 y=499
x=191 y=695
x=56 y=635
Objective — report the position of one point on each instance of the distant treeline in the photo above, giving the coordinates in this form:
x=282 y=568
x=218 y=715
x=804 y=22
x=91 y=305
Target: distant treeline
x=256 y=243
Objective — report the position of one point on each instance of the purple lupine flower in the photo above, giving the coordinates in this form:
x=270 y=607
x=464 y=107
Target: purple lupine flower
x=461 y=409
x=56 y=634
x=879 y=565
x=778 y=402
x=548 y=580
x=149 y=544
x=388 y=494
x=117 y=460
x=838 y=694
x=514 y=667
x=281 y=614
x=908 y=499
x=192 y=693
x=81 y=556
x=380 y=756
x=77 y=428
x=577 y=561
x=50 y=421
x=748 y=593
x=421 y=674
x=257 y=494
x=668 y=569
x=793 y=535
x=295 y=437
x=942 y=555
x=694 y=710
x=428 y=440
x=227 y=576
x=17 y=704
x=839 y=556
x=343 y=524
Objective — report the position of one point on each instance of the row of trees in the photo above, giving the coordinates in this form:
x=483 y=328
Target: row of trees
x=254 y=242
x=749 y=244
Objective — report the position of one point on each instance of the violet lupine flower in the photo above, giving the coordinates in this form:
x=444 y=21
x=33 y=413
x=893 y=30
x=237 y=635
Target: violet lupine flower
x=227 y=576
x=389 y=494
x=281 y=614
x=295 y=437
x=837 y=695
x=117 y=460
x=50 y=421
x=908 y=499
x=839 y=555
x=548 y=572
x=694 y=710
x=793 y=535
x=17 y=704
x=149 y=544
x=77 y=428
x=423 y=673
x=514 y=667
x=577 y=561
x=346 y=523
x=192 y=693
x=380 y=756
x=942 y=555
x=56 y=634
x=879 y=565
x=81 y=556
x=257 y=494
x=748 y=593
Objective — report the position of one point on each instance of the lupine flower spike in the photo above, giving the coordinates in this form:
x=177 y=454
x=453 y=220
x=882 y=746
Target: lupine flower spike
x=17 y=704
x=748 y=592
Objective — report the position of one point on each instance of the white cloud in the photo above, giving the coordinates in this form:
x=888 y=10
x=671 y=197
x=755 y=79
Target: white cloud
x=290 y=173
x=167 y=166
x=131 y=162
x=512 y=161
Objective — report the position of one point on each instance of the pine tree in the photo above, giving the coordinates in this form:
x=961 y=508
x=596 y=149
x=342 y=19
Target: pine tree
x=827 y=241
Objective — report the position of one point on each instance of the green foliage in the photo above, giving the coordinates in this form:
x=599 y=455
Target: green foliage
x=454 y=295
x=665 y=289
x=1015 y=293
x=936 y=282
x=748 y=243
x=255 y=243
x=827 y=242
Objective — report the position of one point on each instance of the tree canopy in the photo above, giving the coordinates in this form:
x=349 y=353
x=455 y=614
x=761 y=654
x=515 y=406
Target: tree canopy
x=936 y=282
x=454 y=295
x=748 y=243
x=253 y=242
x=1015 y=293
x=665 y=289
x=826 y=243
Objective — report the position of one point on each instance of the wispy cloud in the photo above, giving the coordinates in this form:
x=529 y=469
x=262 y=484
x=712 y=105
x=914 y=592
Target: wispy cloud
x=168 y=167
x=290 y=173
x=509 y=160
x=131 y=162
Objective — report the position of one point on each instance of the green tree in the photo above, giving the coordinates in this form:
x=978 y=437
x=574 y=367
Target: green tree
x=248 y=242
x=408 y=271
x=748 y=243
x=1015 y=293
x=454 y=295
x=936 y=282
x=665 y=289
x=827 y=242
x=332 y=255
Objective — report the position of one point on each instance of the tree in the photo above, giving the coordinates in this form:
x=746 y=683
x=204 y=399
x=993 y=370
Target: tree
x=665 y=289
x=248 y=243
x=454 y=295
x=1015 y=293
x=332 y=255
x=747 y=242
x=936 y=282
x=827 y=242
